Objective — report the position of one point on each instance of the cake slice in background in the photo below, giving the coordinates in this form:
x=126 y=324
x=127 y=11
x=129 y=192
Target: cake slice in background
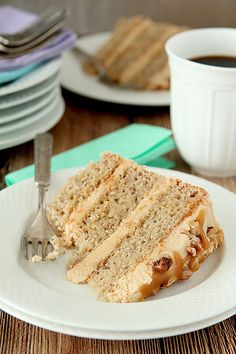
x=134 y=56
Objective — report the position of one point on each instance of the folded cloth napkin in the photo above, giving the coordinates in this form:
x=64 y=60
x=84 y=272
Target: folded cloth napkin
x=143 y=143
x=6 y=76
x=13 y=20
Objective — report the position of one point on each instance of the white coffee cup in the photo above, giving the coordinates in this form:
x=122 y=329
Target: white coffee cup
x=203 y=100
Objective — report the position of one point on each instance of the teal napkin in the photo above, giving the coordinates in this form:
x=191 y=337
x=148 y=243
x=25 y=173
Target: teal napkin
x=6 y=76
x=143 y=143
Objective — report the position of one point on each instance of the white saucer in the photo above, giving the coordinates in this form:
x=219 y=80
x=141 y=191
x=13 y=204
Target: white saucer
x=26 y=120
x=46 y=121
x=48 y=299
x=29 y=94
x=25 y=109
x=35 y=77
x=74 y=79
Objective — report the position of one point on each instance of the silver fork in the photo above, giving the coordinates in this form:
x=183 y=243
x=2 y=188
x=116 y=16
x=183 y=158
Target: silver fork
x=46 y=21
x=36 y=241
x=43 y=40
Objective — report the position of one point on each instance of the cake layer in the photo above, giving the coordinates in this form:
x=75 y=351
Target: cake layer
x=154 y=71
x=153 y=51
x=79 y=187
x=150 y=35
x=95 y=219
x=133 y=28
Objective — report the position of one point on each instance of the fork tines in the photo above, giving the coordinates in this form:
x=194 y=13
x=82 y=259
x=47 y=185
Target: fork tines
x=34 y=36
x=36 y=249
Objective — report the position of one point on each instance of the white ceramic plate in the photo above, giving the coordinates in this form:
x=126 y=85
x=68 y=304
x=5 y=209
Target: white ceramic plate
x=74 y=79
x=25 y=109
x=111 y=335
x=27 y=120
x=41 y=294
x=47 y=121
x=35 y=77
x=29 y=94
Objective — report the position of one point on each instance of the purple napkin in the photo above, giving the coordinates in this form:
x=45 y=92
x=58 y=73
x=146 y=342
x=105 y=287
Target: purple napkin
x=13 y=20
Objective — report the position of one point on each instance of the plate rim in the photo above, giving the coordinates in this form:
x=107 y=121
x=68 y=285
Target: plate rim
x=113 y=335
x=89 y=327
x=54 y=81
x=29 y=119
x=33 y=78
x=34 y=106
x=38 y=126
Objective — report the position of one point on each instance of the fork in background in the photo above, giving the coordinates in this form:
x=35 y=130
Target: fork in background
x=46 y=25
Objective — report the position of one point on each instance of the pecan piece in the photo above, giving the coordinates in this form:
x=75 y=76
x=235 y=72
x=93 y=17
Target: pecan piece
x=195 y=228
x=186 y=274
x=209 y=228
x=212 y=232
x=177 y=181
x=193 y=193
x=163 y=264
x=191 y=250
x=194 y=249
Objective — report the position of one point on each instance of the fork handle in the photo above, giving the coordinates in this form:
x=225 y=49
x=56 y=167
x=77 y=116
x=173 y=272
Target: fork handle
x=42 y=158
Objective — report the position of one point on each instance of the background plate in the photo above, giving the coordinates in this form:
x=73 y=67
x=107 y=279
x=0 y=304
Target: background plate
x=74 y=79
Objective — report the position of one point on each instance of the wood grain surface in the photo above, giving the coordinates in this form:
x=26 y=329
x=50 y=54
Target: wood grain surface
x=84 y=120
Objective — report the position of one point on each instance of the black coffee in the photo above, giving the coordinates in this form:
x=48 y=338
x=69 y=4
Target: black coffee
x=216 y=60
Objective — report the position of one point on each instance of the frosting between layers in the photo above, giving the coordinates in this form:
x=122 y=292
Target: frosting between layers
x=81 y=271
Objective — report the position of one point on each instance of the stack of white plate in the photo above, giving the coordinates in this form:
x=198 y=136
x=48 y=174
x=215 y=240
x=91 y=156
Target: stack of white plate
x=30 y=105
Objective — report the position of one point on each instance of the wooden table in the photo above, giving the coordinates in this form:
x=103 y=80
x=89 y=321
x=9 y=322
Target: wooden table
x=84 y=120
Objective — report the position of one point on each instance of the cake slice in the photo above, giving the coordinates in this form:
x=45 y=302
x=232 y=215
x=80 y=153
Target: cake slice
x=165 y=238
x=133 y=230
x=134 y=55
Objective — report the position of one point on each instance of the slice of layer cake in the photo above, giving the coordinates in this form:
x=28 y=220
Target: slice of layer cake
x=134 y=55
x=165 y=238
